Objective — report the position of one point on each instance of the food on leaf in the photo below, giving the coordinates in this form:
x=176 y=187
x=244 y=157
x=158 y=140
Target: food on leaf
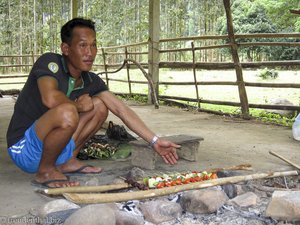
x=178 y=178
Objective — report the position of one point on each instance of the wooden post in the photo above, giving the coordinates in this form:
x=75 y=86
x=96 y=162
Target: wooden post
x=74 y=8
x=236 y=60
x=153 y=45
x=195 y=76
x=128 y=74
x=105 y=66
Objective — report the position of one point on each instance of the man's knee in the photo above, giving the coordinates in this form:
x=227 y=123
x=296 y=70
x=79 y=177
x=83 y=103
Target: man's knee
x=68 y=115
x=100 y=107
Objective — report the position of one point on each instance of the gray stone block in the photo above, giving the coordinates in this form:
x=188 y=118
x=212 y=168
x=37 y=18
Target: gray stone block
x=143 y=155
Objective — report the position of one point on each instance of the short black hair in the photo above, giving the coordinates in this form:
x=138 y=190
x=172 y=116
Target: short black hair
x=66 y=31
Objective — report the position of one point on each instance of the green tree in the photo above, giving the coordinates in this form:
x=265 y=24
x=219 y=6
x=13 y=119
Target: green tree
x=252 y=17
x=279 y=12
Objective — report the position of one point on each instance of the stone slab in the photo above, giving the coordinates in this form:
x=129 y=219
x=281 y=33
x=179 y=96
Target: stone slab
x=143 y=155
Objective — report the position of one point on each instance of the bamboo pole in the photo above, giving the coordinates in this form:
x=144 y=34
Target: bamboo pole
x=285 y=159
x=138 y=195
x=85 y=189
x=103 y=188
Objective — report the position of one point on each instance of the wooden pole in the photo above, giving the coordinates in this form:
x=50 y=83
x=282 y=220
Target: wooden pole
x=110 y=187
x=84 y=189
x=105 y=66
x=236 y=60
x=152 y=193
x=285 y=159
x=127 y=69
x=153 y=45
x=194 y=73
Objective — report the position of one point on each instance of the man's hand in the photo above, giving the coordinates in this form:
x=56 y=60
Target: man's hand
x=84 y=103
x=167 y=150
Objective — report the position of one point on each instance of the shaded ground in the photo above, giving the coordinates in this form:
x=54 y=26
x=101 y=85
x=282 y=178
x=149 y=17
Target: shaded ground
x=226 y=142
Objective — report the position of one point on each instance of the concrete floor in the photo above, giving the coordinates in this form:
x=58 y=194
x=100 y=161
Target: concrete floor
x=226 y=142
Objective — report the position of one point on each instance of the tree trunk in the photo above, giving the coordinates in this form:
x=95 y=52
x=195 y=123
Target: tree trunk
x=20 y=35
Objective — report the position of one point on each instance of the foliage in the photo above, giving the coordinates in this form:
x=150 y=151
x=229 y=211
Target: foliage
x=259 y=17
x=284 y=52
x=266 y=74
x=274 y=118
x=136 y=97
x=279 y=14
x=33 y=26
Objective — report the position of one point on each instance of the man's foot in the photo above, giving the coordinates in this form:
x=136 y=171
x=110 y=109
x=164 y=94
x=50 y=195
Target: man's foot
x=53 y=179
x=56 y=183
x=75 y=166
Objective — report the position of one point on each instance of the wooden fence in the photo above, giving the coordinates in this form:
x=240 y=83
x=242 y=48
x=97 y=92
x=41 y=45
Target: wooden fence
x=112 y=58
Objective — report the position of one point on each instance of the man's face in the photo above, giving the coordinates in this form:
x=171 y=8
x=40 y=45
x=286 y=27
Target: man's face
x=82 y=50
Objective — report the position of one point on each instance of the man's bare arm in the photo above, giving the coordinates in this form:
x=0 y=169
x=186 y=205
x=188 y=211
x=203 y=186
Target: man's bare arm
x=52 y=97
x=166 y=149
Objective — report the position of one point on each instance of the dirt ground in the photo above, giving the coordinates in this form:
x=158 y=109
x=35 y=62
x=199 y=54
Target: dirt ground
x=227 y=142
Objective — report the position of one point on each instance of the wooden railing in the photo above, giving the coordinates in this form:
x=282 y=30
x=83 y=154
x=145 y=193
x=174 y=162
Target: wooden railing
x=110 y=58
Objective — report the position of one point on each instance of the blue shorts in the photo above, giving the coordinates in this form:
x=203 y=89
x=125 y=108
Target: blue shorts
x=27 y=152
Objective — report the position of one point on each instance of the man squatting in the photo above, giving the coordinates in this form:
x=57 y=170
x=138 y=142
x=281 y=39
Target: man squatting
x=62 y=105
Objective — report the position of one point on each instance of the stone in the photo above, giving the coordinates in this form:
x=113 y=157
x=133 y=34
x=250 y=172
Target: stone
x=240 y=189
x=143 y=155
x=281 y=101
x=230 y=190
x=55 y=206
x=125 y=218
x=136 y=174
x=97 y=214
x=245 y=200
x=94 y=181
x=58 y=217
x=203 y=201
x=283 y=223
x=284 y=205
x=159 y=211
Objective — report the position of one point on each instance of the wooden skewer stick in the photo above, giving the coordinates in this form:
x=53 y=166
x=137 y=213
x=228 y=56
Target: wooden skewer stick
x=284 y=159
x=84 y=198
x=238 y=167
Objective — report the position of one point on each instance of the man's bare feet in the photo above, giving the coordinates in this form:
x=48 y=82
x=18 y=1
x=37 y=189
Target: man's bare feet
x=75 y=166
x=54 y=179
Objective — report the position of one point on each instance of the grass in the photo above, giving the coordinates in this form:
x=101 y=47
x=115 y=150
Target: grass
x=256 y=95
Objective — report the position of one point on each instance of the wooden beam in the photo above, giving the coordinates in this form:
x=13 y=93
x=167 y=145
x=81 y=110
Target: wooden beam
x=153 y=44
